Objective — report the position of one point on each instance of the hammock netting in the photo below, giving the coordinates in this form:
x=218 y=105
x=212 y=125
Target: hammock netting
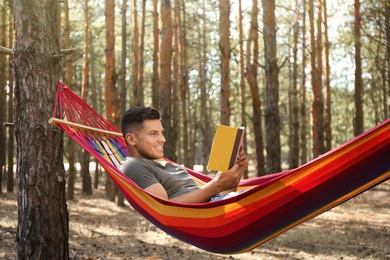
x=271 y=205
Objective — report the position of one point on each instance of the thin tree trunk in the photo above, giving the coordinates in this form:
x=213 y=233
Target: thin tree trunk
x=3 y=102
x=155 y=77
x=135 y=56
x=386 y=90
x=85 y=174
x=205 y=123
x=224 y=34
x=328 y=116
x=294 y=109
x=303 y=90
x=251 y=76
x=184 y=96
x=358 y=120
x=317 y=118
x=11 y=139
x=69 y=81
x=165 y=77
x=242 y=77
x=110 y=90
x=141 y=57
x=272 y=119
x=42 y=228
x=122 y=90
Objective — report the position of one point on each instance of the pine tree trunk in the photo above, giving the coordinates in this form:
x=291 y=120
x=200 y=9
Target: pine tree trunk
x=303 y=90
x=294 y=109
x=135 y=56
x=3 y=59
x=328 y=102
x=251 y=76
x=110 y=90
x=11 y=139
x=387 y=87
x=242 y=77
x=224 y=34
x=272 y=119
x=42 y=229
x=358 y=122
x=165 y=77
x=156 y=49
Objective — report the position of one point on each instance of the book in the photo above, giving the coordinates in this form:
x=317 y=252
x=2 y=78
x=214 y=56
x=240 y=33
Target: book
x=226 y=145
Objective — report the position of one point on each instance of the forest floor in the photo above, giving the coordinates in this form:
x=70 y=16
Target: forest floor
x=357 y=229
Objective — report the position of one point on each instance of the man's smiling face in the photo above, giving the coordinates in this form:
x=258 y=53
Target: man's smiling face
x=149 y=141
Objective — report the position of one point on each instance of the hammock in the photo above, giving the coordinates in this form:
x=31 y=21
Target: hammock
x=271 y=205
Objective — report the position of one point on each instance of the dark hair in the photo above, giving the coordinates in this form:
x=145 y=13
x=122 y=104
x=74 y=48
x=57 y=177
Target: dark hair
x=133 y=118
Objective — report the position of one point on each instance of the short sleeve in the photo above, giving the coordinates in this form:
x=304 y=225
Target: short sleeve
x=142 y=173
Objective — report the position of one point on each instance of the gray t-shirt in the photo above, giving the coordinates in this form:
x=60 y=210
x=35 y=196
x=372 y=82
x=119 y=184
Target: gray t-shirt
x=144 y=172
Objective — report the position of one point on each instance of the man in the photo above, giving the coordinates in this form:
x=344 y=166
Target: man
x=143 y=132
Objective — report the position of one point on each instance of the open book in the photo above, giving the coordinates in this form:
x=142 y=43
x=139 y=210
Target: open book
x=225 y=148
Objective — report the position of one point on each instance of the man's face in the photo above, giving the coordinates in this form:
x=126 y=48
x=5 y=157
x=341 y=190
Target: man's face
x=149 y=141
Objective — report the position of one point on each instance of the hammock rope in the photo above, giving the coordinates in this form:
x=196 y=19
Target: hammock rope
x=271 y=205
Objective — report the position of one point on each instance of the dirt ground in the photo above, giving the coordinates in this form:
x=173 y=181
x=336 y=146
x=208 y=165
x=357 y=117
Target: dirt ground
x=357 y=229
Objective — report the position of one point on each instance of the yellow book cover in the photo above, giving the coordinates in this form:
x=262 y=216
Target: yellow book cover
x=225 y=148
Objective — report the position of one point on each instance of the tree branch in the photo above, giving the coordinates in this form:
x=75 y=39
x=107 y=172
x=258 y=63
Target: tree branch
x=6 y=50
x=63 y=52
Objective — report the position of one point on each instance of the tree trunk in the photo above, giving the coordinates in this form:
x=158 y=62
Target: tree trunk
x=3 y=59
x=224 y=34
x=328 y=102
x=317 y=105
x=135 y=56
x=242 y=77
x=165 y=77
x=110 y=90
x=155 y=77
x=294 y=109
x=122 y=89
x=205 y=123
x=42 y=229
x=303 y=89
x=272 y=119
x=184 y=89
x=387 y=87
x=86 y=157
x=69 y=81
x=11 y=139
x=251 y=76
x=358 y=122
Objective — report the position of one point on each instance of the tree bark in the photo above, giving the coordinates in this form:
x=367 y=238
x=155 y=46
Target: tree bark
x=11 y=139
x=251 y=76
x=294 y=109
x=155 y=77
x=272 y=119
x=110 y=90
x=135 y=56
x=358 y=120
x=165 y=101
x=328 y=97
x=42 y=229
x=303 y=142
x=224 y=34
x=69 y=81
x=86 y=157
x=3 y=59
x=242 y=77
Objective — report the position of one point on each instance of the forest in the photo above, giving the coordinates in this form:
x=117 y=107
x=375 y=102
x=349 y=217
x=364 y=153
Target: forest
x=302 y=76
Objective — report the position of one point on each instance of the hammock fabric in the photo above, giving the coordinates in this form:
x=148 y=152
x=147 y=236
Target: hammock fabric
x=271 y=205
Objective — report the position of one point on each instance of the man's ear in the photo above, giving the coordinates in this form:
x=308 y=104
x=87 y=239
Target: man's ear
x=130 y=139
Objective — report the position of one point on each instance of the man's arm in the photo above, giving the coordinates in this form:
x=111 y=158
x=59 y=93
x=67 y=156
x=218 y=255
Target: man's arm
x=223 y=181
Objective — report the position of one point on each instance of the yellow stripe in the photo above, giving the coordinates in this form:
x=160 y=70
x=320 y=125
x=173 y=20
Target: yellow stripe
x=323 y=209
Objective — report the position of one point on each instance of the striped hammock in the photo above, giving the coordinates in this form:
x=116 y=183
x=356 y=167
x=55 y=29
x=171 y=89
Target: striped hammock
x=271 y=205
